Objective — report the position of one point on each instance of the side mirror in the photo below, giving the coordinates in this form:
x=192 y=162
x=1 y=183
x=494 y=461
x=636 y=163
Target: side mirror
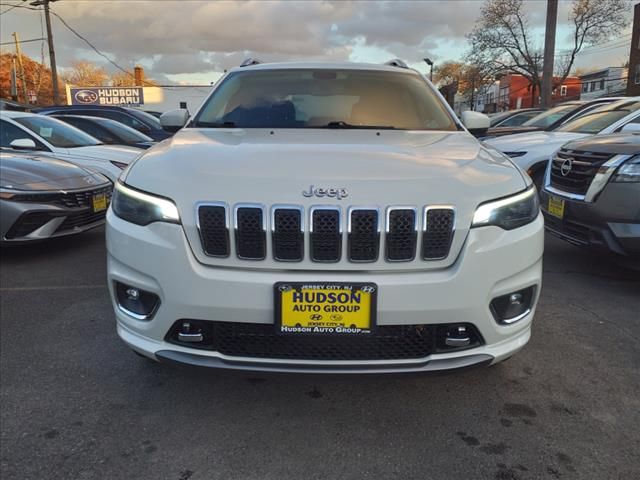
x=174 y=120
x=477 y=123
x=631 y=128
x=23 y=144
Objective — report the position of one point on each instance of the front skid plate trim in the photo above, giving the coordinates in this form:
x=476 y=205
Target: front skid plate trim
x=439 y=365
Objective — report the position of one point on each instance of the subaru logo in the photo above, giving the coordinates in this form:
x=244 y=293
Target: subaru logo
x=86 y=96
x=566 y=167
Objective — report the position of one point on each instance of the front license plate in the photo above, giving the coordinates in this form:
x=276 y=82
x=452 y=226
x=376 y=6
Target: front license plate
x=325 y=308
x=99 y=202
x=556 y=207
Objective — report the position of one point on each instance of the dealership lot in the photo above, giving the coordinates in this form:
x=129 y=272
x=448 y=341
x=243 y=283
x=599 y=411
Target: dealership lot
x=77 y=404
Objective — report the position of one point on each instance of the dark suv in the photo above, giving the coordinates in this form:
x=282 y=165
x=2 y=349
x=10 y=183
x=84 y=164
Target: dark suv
x=591 y=195
x=141 y=121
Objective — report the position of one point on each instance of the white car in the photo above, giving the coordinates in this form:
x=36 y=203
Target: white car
x=325 y=218
x=532 y=150
x=50 y=137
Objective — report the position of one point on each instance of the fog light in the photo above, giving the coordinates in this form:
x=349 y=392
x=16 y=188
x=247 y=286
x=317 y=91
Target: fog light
x=135 y=302
x=514 y=306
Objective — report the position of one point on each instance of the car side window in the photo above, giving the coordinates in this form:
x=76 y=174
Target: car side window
x=94 y=130
x=9 y=132
x=125 y=119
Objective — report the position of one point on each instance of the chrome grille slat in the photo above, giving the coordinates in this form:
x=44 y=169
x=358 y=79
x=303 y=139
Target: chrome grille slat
x=325 y=234
x=213 y=227
x=437 y=232
x=364 y=234
x=402 y=233
x=287 y=227
x=250 y=232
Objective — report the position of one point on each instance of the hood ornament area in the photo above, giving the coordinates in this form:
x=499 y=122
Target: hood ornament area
x=321 y=192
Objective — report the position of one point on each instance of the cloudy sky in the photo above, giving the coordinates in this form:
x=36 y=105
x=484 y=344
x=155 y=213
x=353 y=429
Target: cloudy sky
x=192 y=41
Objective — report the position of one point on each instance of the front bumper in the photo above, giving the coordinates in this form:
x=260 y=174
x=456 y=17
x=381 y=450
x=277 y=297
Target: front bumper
x=158 y=259
x=611 y=222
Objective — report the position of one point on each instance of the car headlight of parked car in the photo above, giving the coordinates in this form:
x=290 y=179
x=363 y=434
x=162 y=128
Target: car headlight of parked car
x=510 y=212
x=629 y=172
x=142 y=208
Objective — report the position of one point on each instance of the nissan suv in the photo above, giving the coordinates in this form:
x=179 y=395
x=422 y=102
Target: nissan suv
x=325 y=218
x=591 y=196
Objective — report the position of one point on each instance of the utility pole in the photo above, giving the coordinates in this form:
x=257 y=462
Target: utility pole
x=549 y=50
x=52 y=53
x=21 y=65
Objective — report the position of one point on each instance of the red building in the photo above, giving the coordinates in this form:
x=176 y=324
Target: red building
x=516 y=92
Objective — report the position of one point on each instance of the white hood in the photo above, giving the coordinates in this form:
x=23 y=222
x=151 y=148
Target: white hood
x=117 y=153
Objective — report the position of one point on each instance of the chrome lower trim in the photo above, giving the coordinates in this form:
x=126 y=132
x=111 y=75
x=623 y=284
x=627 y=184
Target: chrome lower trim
x=137 y=316
x=422 y=365
x=509 y=321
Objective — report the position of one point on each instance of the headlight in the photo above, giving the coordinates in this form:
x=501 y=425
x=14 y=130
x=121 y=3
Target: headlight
x=515 y=154
x=141 y=208
x=510 y=212
x=629 y=172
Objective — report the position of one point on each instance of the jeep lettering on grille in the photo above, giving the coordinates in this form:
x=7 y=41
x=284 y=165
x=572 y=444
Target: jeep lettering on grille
x=320 y=192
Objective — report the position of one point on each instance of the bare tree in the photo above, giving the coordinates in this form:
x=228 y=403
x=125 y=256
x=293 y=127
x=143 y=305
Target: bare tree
x=85 y=74
x=502 y=35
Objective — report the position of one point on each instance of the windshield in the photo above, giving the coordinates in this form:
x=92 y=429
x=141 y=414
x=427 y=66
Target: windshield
x=551 y=116
x=600 y=119
x=146 y=118
x=57 y=133
x=324 y=99
x=124 y=132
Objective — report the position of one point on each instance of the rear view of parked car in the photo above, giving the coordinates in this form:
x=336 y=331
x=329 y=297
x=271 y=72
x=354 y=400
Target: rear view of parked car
x=591 y=195
x=43 y=197
x=108 y=131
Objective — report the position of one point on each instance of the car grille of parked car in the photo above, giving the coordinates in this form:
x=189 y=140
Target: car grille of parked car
x=257 y=340
x=573 y=171
x=78 y=211
x=287 y=224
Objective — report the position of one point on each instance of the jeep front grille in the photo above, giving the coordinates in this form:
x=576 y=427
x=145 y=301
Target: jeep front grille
x=579 y=171
x=319 y=231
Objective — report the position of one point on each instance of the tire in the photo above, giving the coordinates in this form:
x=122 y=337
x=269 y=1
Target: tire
x=538 y=178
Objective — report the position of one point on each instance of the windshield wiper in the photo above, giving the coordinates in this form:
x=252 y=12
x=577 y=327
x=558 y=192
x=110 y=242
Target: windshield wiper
x=345 y=125
x=214 y=124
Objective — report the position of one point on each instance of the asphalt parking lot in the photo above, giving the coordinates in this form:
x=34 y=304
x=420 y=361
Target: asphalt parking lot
x=77 y=404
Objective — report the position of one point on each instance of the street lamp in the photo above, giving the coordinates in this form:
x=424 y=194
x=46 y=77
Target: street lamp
x=430 y=63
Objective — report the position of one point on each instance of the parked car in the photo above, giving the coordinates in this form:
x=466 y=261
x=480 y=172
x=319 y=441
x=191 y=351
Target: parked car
x=131 y=117
x=45 y=197
x=23 y=131
x=514 y=118
x=328 y=218
x=108 y=131
x=551 y=119
x=591 y=195
x=531 y=151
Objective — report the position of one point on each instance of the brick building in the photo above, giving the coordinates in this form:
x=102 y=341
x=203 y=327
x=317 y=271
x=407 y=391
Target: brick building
x=516 y=92
x=633 y=82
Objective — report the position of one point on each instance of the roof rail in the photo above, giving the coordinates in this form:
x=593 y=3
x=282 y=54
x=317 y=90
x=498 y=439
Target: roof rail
x=250 y=61
x=396 y=62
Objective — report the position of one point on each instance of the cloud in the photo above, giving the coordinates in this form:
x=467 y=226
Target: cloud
x=171 y=37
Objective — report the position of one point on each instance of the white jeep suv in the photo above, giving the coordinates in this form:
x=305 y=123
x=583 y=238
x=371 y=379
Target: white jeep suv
x=333 y=218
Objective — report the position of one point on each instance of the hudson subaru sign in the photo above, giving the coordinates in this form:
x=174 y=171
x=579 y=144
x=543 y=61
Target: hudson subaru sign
x=107 y=96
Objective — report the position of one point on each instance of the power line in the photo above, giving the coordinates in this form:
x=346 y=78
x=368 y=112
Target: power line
x=25 y=41
x=93 y=47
